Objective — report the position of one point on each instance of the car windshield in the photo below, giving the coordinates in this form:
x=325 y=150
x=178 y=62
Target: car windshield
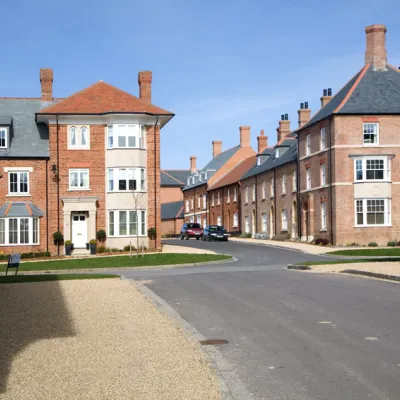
x=194 y=226
x=215 y=228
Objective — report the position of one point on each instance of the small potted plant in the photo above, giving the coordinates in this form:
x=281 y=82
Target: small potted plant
x=151 y=233
x=68 y=247
x=93 y=246
x=58 y=237
x=101 y=235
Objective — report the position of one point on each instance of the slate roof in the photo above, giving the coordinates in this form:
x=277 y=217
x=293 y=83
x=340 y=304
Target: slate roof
x=368 y=92
x=172 y=210
x=171 y=177
x=235 y=174
x=20 y=209
x=103 y=98
x=27 y=138
x=288 y=156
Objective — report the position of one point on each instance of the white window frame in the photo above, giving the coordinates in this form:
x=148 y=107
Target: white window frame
x=323 y=216
x=276 y=153
x=228 y=196
x=79 y=171
x=322 y=174
x=141 y=223
x=187 y=206
x=264 y=222
x=363 y=162
x=78 y=137
x=192 y=203
x=264 y=189
x=18 y=192
x=322 y=141
x=284 y=220
x=367 y=125
x=246 y=195
x=5 y=234
x=235 y=194
x=253 y=192
x=218 y=198
x=139 y=175
x=235 y=222
x=114 y=131
x=272 y=187
x=198 y=201
x=219 y=220
x=213 y=199
x=4 y=129
x=308 y=145
x=204 y=201
x=283 y=183
x=294 y=180
x=247 y=224
x=387 y=203
x=308 y=180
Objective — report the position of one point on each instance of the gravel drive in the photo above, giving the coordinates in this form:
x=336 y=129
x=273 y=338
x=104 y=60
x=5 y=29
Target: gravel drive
x=94 y=339
x=388 y=268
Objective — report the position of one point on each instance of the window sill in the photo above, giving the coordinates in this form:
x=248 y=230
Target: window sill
x=271 y=197
x=370 y=145
x=234 y=201
x=79 y=148
x=125 y=236
x=372 y=226
x=283 y=194
x=125 y=148
x=19 y=195
x=78 y=189
x=124 y=191
x=294 y=191
x=323 y=230
x=373 y=181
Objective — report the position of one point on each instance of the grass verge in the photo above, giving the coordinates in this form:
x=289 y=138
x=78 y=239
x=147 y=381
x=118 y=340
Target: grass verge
x=367 y=252
x=369 y=260
x=120 y=261
x=61 y=277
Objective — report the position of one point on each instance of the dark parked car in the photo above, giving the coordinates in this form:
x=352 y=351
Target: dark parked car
x=215 y=232
x=191 y=230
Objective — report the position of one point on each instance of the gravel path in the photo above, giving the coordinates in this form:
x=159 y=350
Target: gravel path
x=95 y=339
x=388 y=268
x=167 y=248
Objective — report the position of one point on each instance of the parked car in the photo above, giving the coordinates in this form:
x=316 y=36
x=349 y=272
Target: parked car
x=191 y=230
x=215 y=232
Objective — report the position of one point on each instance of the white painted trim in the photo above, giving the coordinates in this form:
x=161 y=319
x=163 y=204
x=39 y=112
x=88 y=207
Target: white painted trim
x=6 y=137
x=18 y=169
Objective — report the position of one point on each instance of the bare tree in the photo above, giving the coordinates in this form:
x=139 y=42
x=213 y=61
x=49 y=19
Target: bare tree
x=136 y=196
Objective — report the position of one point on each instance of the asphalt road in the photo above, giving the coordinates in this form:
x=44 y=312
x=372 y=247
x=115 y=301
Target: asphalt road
x=292 y=335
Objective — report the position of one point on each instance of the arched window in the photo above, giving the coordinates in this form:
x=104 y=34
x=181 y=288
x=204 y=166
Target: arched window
x=72 y=136
x=83 y=136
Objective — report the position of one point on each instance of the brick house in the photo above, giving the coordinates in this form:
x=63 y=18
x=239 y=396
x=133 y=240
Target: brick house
x=76 y=165
x=343 y=161
x=199 y=206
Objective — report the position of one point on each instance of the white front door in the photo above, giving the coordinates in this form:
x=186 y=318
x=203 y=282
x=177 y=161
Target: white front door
x=79 y=231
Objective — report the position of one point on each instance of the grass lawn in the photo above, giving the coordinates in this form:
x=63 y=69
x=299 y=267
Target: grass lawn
x=353 y=261
x=61 y=277
x=368 y=252
x=118 y=261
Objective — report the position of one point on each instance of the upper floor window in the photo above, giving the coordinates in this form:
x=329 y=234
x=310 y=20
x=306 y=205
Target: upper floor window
x=308 y=178
x=126 y=179
x=212 y=199
x=205 y=201
x=308 y=145
x=126 y=136
x=235 y=194
x=246 y=194
x=78 y=137
x=323 y=174
x=264 y=189
x=79 y=179
x=198 y=201
x=272 y=187
x=322 y=142
x=218 y=198
x=294 y=180
x=228 y=196
x=191 y=203
x=276 y=153
x=372 y=169
x=253 y=192
x=187 y=206
x=284 y=184
x=18 y=182
x=371 y=133
x=3 y=138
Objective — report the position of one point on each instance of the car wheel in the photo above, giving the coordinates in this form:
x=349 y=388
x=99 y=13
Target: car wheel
x=187 y=237
x=226 y=239
x=181 y=237
x=197 y=238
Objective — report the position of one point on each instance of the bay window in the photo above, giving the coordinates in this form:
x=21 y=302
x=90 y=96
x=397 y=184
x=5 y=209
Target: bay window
x=372 y=169
x=127 y=179
x=18 y=182
x=126 y=136
x=204 y=201
x=19 y=231
x=127 y=223
x=373 y=212
x=78 y=179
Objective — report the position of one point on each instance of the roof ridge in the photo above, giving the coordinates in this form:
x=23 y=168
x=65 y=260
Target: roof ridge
x=166 y=173
x=350 y=92
x=393 y=67
x=229 y=171
x=179 y=212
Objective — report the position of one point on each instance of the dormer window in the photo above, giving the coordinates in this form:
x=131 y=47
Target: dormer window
x=276 y=153
x=3 y=138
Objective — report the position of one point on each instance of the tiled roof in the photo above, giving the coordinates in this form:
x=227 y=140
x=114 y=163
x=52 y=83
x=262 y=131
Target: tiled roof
x=20 y=209
x=174 y=177
x=172 y=210
x=368 y=92
x=103 y=98
x=27 y=138
x=235 y=174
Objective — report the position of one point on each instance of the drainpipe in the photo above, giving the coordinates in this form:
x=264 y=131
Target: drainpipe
x=330 y=181
x=256 y=213
x=239 y=207
x=194 y=204
x=209 y=210
x=47 y=206
x=276 y=211
x=58 y=188
x=299 y=216
x=155 y=181
x=223 y=215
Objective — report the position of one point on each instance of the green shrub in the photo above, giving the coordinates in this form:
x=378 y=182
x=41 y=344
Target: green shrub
x=41 y=254
x=93 y=241
x=321 y=241
x=372 y=244
x=101 y=235
x=392 y=243
x=101 y=249
x=352 y=244
x=115 y=250
x=151 y=233
x=107 y=250
x=128 y=248
x=68 y=243
x=245 y=235
x=58 y=236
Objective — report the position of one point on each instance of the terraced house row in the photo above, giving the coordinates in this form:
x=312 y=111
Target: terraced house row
x=335 y=176
x=76 y=165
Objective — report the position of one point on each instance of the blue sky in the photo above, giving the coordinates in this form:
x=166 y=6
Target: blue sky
x=216 y=64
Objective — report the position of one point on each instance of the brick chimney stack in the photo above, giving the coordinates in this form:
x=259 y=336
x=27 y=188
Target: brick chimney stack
x=244 y=136
x=284 y=127
x=193 y=167
x=217 y=147
x=46 y=83
x=262 y=142
x=326 y=97
x=144 y=80
x=375 y=53
x=304 y=114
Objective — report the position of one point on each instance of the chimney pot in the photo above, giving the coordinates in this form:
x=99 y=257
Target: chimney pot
x=330 y=92
x=286 y=117
x=46 y=83
x=144 y=79
x=306 y=105
x=325 y=92
x=244 y=136
x=193 y=167
x=282 y=117
x=301 y=106
x=217 y=147
x=375 y=52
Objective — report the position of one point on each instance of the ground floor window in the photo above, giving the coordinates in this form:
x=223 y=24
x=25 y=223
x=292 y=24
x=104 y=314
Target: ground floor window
x=284 y=220
x=198 y=219
x=127 y=223
x=204 y=222
x=323 y=215
x=264 y=222
x=191 y=219
x=219 y=220
x=247 y=224
x=372 y=212
x=23 y=231
x=235 y=220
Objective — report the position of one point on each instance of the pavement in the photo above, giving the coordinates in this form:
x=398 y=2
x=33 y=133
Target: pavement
x=291 y=335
